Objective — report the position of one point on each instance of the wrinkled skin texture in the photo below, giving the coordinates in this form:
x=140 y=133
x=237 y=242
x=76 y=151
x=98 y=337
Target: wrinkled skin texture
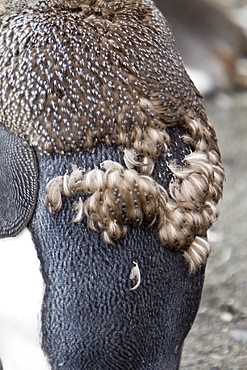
x=91 y=319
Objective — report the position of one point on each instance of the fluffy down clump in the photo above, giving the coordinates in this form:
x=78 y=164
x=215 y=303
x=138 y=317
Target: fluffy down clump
x=119 y=196
x=78 y=73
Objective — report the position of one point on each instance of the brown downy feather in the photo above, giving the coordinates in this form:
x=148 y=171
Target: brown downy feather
x=90 y=72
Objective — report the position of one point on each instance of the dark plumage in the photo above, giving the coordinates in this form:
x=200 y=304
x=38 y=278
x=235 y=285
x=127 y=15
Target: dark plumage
x=16 y=210
x=98 y=94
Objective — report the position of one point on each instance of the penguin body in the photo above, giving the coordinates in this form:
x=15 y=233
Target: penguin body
x=116 y=172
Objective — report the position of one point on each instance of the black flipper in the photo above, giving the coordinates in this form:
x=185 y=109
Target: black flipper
x=18 y=183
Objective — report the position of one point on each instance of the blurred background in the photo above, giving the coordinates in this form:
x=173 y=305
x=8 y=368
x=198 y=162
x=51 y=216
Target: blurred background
x=211 y=36
x=212 y=40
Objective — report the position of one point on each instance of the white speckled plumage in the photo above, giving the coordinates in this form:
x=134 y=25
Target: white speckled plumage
x=87 y=71
x=118 y=141
x=79 y=73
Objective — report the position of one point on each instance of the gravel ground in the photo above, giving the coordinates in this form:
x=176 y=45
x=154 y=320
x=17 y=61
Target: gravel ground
x=218 y=339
